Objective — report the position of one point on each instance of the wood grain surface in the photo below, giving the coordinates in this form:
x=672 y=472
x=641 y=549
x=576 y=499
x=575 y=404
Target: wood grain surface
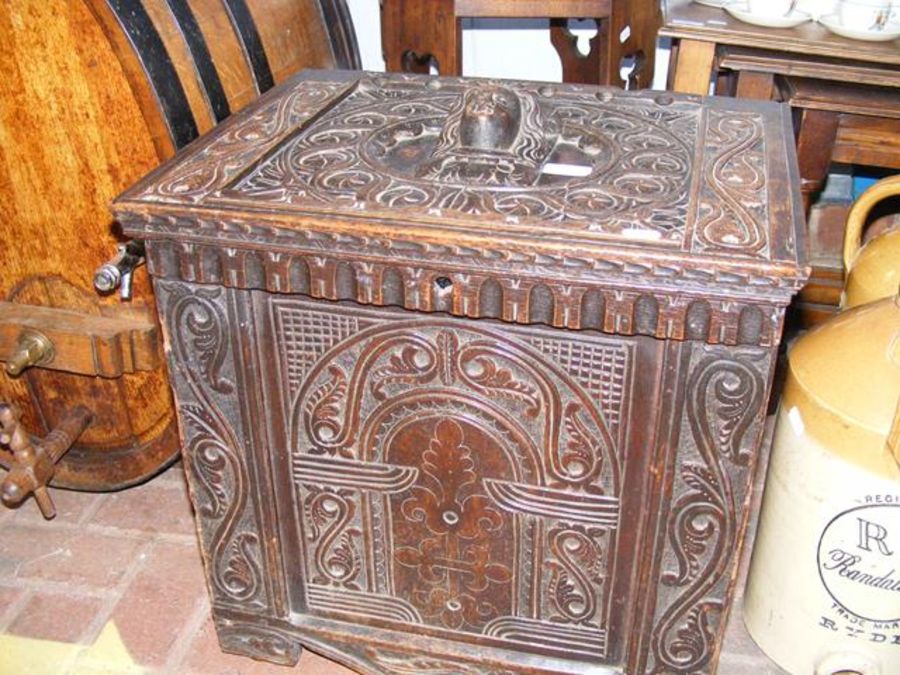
x=93 y=94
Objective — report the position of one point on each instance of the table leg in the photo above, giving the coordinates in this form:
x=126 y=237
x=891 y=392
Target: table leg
x=755 y=85
x=815 y=145
x=694 y=67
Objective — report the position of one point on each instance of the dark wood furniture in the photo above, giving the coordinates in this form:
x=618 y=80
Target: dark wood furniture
x=844 y=94
x=94 y=94
x=700 y=34
x=472 y=376
x=853 y=123
x=856 y=123
x=415 y=32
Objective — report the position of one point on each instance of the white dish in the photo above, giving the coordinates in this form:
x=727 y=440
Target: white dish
x=713 y=3
x=890 y=31
x=740 y=10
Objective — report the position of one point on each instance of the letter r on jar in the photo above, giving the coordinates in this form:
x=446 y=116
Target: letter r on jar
x=872 y=532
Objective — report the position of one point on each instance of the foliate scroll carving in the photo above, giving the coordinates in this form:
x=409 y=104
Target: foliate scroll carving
x=489 y=151
x=722 y=418
x=204 y=377
x=453 y=476
x=225 y=154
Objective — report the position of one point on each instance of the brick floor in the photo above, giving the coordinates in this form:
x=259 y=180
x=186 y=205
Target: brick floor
x=156 y=506
x=62 y=617
x=156 y=607
x=120 y=574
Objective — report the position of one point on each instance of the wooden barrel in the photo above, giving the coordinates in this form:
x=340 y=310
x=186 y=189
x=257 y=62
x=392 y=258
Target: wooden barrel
x=93 y=94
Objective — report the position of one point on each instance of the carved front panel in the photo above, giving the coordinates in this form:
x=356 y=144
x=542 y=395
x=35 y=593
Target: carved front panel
x=456 y=477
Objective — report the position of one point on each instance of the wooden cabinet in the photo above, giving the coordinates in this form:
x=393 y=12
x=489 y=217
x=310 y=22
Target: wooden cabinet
x=471 y=376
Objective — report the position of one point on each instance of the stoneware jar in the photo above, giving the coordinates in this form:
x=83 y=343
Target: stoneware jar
x=823 y=595
x=873 y=270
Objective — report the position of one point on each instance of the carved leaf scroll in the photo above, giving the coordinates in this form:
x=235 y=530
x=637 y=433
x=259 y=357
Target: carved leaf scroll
x=203 y=376
x=733 y=198
x=725 y=397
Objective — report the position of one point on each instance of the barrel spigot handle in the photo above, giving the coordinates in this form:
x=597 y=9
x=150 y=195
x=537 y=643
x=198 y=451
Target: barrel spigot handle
x=119 y=270
x=34 y=464
x=33 y=348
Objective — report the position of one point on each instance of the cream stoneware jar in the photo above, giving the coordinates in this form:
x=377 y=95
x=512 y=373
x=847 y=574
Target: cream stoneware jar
x=823 y=594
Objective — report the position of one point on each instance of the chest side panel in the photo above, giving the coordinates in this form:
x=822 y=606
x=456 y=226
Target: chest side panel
x=455 y=477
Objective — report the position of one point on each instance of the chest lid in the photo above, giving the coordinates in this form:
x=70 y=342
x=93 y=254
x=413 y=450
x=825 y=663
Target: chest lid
x=635 y=190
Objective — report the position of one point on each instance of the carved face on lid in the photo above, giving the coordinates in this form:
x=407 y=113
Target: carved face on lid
x=492 y=136
x=491 y=118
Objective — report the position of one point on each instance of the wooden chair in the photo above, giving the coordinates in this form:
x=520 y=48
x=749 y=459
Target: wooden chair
x=417 y=33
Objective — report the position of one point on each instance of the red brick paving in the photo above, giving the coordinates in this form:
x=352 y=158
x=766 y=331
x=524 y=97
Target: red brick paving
x=8 y=598
x=131 y=557
x=159 y=602
x=157 y=506
x=35 y=551
x=55 y=616
x=71 y=507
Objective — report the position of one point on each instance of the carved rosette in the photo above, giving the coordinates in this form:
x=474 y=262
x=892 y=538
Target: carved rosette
x=721 y=423
x=450 y=476
x=204 y=379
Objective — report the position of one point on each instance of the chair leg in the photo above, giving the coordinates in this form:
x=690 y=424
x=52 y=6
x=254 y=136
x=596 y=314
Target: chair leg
x=577 y=67
x=694 y=67
x=816 y=133
x=638 y=22
x=414 y=32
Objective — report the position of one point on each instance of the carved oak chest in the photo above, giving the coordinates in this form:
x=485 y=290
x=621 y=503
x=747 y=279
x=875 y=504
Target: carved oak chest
x=471 y=375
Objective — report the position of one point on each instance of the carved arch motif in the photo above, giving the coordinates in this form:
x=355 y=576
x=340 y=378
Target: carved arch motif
x=473 y=487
